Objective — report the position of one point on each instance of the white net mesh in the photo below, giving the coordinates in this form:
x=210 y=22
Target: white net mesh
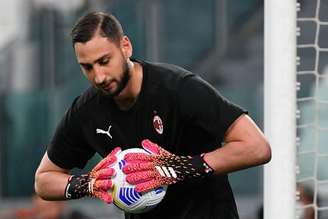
x=312 y=114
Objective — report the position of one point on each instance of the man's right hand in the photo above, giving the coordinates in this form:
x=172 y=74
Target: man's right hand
x=96 y=183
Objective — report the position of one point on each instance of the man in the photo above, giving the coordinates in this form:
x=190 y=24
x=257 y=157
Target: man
x=166 y=109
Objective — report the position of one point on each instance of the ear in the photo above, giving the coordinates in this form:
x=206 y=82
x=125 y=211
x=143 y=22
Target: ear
x=126 y=46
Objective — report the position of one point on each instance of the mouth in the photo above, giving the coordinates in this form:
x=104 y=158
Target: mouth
x=108 y=86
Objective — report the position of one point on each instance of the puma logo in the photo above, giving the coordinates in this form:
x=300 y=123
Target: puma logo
x=100 y=131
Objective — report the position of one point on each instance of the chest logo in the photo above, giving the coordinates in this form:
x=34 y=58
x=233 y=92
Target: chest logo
x=100 y=131
x=158 y=124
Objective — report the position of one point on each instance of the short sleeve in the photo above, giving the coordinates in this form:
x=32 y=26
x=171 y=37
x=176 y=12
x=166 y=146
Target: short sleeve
x=204 y=107
x=68 y=148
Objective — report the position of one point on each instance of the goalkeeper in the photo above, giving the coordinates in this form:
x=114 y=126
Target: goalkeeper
x=195 y=136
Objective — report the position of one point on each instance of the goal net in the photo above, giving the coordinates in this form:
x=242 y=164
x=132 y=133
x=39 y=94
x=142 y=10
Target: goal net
x=312 y=110
x=296 y=109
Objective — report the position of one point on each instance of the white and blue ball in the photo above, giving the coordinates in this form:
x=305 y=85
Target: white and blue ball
x=124 y=194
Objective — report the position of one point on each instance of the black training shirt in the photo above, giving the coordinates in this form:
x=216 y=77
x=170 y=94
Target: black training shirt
x=175 y=109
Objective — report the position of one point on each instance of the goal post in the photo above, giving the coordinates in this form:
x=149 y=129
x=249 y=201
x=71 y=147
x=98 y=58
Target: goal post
x=280 y=107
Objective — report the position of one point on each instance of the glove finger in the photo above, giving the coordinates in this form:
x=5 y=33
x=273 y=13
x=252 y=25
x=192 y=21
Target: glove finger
x=154 y=148
x=150 y=147
x=115 y=151
x=134 y=167
x=108 y=160
x=104 y=195
x=103 y=184
x=146 y=186
x=104 y=163
x=103 y=173
x=137 y=157
x=140 y=177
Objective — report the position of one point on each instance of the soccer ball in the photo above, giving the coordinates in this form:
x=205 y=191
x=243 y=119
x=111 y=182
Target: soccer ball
x=124 y=195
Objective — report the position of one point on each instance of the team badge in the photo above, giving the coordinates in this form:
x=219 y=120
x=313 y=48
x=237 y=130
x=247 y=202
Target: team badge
x=158 y=124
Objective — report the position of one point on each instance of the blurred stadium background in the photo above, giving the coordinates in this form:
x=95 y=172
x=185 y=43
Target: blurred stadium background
x=219 y=39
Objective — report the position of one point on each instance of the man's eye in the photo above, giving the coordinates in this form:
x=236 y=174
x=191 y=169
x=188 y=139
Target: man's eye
x=104 y=62
x=87 y=67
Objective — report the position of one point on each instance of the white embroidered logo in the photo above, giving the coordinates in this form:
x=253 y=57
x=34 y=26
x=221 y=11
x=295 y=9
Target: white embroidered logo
x=100 y=131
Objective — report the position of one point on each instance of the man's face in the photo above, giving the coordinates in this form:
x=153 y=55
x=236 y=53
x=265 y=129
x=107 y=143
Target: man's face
x=104 y=63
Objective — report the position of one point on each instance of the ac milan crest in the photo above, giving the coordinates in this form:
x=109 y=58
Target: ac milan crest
x=158 y=124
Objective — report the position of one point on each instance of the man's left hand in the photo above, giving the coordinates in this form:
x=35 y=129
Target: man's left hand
x=160 y=167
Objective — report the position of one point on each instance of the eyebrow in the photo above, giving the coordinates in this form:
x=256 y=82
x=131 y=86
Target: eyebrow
x=97 y=60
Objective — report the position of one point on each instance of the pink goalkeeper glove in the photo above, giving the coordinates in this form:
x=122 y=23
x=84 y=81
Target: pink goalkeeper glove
x=96 y=183
x=161 y=167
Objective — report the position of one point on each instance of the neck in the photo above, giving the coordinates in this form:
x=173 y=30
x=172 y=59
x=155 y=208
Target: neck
x=127 y=98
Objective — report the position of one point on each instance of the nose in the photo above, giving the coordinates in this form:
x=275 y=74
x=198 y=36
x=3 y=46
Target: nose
x=99 y=76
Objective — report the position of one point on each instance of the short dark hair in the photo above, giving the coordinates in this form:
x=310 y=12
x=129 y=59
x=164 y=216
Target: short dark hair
x=97 y=22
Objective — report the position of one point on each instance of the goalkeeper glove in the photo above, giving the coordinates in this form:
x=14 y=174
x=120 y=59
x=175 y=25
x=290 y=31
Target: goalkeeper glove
x=96 y=183
x=162 y=167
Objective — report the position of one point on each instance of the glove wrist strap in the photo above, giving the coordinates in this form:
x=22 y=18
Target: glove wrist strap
x=77 y=187
x=208 y=168
x=202 y=167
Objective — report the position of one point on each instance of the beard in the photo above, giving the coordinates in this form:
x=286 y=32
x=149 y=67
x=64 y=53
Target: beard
x=122 y=83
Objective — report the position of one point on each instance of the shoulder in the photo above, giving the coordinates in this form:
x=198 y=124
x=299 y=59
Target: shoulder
x=166 y=76
x=169 y=70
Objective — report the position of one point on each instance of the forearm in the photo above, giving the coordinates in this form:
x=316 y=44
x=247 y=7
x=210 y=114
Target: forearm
x=237 y=155
x=51 y=185
x=245 y=146
x=54 y=183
